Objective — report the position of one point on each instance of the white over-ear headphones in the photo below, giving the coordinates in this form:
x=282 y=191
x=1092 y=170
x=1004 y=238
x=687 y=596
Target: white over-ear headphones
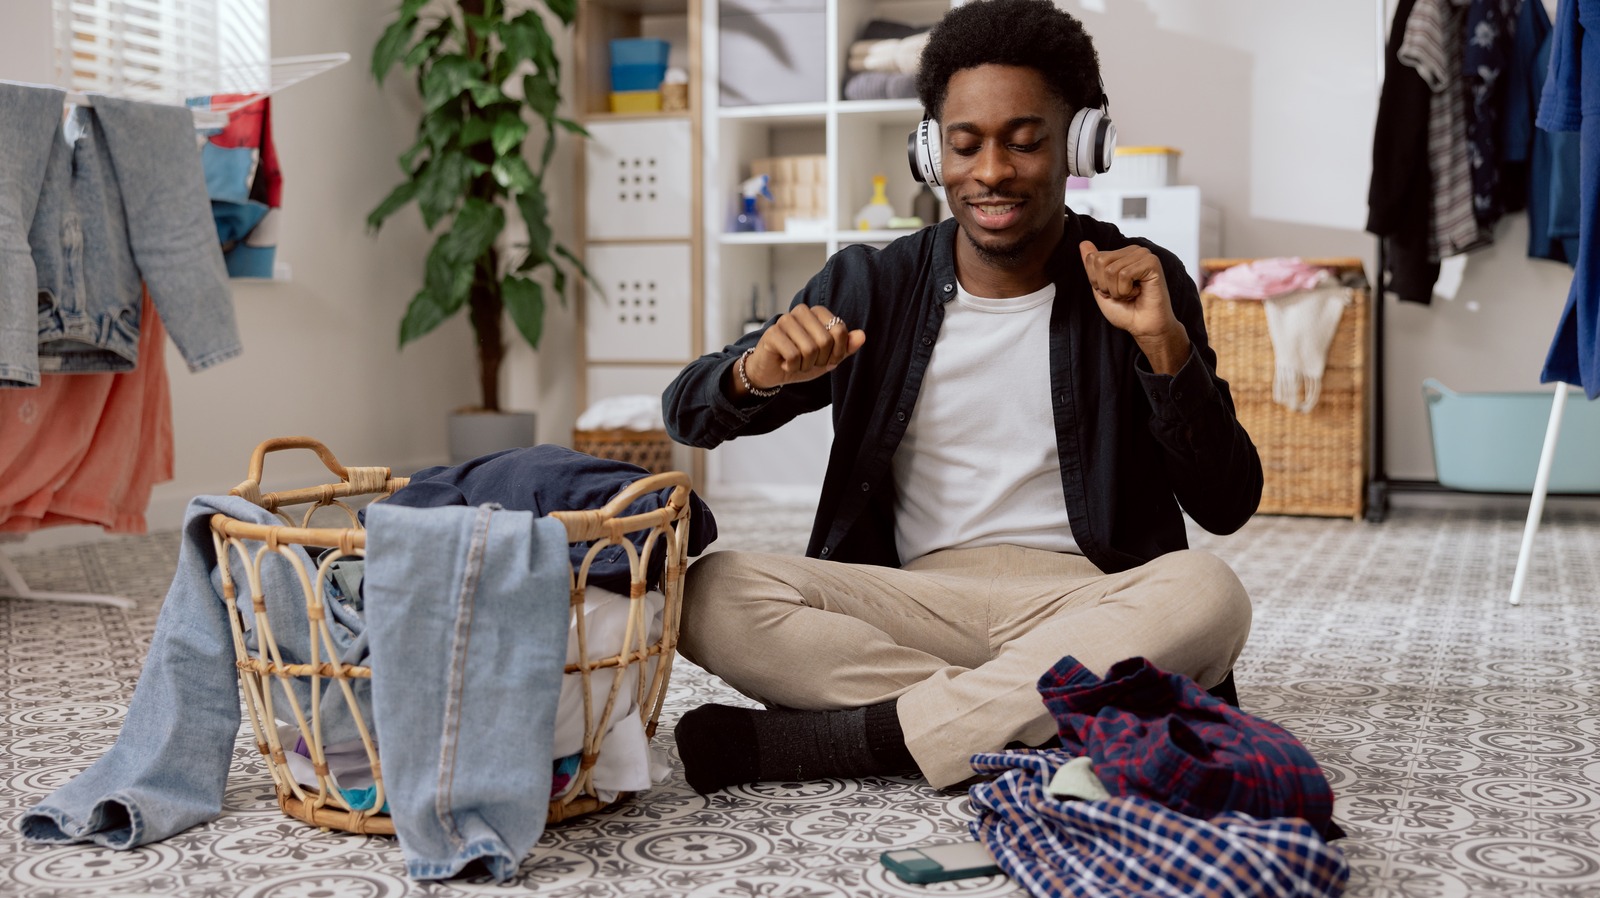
x=1091 y=144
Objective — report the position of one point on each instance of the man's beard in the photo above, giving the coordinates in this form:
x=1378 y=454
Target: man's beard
x=1003 y=256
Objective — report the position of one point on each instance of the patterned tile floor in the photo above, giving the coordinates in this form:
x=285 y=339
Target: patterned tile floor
x=1460 y=734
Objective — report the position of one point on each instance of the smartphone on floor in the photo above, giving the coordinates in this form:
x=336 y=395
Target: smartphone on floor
x=940 y=863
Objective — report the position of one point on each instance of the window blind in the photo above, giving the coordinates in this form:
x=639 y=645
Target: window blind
x=162 y=50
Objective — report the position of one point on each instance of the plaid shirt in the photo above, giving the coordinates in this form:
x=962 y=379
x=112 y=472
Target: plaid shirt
x=1159 y=736
x=1126 y=847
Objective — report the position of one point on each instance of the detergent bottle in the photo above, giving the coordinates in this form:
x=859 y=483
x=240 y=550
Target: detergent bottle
x=749 y=217
x=875 y=215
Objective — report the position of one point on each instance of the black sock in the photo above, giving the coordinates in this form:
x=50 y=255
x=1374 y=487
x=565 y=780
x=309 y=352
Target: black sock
x=722 y=746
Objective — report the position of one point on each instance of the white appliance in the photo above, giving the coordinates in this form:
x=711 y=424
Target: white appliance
x=1171 y=217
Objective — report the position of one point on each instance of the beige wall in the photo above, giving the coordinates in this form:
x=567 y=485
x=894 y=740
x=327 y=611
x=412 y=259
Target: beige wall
x=1272 y=104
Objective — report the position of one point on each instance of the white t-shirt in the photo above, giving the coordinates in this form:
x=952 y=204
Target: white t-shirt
x=978 y=465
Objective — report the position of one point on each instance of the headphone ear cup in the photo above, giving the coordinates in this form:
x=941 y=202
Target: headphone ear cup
x=1091 y=143
x=925 y=149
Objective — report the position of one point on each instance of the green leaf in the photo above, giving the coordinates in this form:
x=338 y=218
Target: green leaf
x=424 y=48
x=483 y=25
x=447 y=280
x=447 y=78
x=392 y=45
x=577 y=263
x=524 y=300
x=440 y=125
x=542 y=94
x=572 y=127
x=440 y=185
x=422 y=316
x=473 y=231
x=476 y=130
x=565 y=10
x=536 y=216
x=519 y=36
x=408 y=159
x=486 y=94
x=509 y=129
x=512 y=173
x=397 y=198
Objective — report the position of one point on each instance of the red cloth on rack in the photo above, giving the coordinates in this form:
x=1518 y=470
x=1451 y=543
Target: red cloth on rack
x=251 y=128
x=88 y=448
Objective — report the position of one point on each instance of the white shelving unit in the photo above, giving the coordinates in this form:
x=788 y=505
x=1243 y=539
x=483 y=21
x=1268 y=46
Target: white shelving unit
x=859 y=139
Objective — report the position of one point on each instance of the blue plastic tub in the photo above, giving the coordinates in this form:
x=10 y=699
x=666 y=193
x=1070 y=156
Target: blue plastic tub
x=636 y=77
x=640 y=51
x=1490 y=442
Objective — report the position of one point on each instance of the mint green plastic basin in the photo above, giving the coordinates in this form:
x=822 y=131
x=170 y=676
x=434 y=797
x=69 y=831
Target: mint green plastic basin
x=1490 y=442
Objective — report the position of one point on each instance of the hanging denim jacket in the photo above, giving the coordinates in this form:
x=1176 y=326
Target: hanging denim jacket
x=117 y=202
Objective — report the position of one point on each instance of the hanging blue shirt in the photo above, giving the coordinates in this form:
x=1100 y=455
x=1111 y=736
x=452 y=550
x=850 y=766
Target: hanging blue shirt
x=1571 y=102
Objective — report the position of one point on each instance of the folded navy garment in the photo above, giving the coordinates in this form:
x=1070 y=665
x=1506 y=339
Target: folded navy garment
x=1159 y=736
x=547 y=478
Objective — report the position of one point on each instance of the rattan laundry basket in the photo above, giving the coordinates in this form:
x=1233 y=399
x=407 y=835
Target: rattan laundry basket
x=1313 y=463
x=266 y=679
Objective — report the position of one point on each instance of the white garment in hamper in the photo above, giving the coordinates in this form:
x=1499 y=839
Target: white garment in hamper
x=1301 y=326
x=627 y=762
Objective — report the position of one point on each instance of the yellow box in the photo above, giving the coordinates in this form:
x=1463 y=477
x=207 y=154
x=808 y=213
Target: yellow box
x=636 y=101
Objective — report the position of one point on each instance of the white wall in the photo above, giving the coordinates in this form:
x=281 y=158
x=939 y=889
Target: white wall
x=1273 y=105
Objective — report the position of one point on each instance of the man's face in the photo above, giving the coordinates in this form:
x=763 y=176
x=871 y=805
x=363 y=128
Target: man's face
x=1004 y=159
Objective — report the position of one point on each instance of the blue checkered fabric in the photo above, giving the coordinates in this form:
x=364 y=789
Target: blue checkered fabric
x=1126 y=847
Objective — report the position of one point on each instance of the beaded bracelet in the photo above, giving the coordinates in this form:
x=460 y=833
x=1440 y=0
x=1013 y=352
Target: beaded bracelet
x=751 y=388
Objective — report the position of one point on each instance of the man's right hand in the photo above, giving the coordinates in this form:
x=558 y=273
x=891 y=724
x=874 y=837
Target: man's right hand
x=799 y=346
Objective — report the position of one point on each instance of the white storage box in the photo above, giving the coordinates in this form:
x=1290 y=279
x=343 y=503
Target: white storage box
x=1139 y=168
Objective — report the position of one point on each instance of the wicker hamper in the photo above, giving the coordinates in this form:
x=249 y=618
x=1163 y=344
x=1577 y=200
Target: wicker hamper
x=649 y=449
x=1313 y=463
x=265 y=679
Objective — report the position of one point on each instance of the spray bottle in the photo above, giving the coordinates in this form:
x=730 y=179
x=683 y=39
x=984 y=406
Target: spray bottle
x=749 y=218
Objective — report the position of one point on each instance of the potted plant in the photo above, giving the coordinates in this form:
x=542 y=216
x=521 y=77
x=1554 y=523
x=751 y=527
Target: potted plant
x=488 y=76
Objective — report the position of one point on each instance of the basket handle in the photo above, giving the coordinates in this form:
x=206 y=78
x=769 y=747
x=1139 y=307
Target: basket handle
x=600 y=522
x=361 y=480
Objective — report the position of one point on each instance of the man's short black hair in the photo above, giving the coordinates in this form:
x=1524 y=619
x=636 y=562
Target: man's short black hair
x=1031 y=33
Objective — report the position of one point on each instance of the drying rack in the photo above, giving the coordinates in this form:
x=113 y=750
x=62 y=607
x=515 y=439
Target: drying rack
x=240 y=86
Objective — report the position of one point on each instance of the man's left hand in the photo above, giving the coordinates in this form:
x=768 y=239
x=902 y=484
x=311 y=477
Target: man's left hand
x=1131 y=290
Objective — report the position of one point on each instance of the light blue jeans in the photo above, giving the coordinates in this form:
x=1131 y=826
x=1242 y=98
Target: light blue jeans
x=169 y=766
x=467 y=611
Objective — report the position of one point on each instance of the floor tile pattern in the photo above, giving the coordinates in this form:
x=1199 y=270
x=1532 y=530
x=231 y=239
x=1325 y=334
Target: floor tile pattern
x=1460 y=734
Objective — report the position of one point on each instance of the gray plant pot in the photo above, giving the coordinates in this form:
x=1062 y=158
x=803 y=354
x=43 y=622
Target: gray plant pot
x=475 y=433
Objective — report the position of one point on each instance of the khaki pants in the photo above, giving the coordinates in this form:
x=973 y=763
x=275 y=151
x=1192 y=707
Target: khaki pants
x=960 y=637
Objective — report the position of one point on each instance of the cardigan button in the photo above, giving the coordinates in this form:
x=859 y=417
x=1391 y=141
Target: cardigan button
x=824 y=552
x=899 y=416
x=865 y=486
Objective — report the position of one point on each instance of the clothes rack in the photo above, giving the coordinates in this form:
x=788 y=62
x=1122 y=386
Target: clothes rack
x=225 y=89
x=16 y=587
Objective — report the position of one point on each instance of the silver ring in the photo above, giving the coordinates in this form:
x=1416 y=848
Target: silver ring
x=829 y=325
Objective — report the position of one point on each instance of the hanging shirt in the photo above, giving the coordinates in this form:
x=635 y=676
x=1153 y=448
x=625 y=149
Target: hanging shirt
x=1571 y=101
x=1433 y=45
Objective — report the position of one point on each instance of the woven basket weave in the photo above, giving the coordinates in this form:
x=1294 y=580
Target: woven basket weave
x=1313 y=463
x=265 y=679
x=649 y=449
